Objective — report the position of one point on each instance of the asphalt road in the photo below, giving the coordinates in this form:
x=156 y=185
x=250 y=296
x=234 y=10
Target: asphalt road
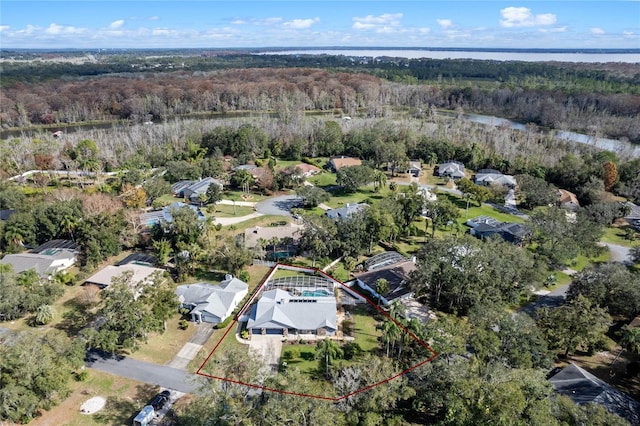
x=552 y=300
x=279 y=206
x=167 y=377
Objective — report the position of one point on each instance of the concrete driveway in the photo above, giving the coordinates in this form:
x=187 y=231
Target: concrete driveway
x=267 y=348
x=279 y=206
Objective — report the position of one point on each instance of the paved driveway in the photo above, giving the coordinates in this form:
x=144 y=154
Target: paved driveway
x=279 y=206
x=268 y=348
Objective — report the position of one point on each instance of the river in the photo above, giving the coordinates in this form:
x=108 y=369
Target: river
x=614 y=145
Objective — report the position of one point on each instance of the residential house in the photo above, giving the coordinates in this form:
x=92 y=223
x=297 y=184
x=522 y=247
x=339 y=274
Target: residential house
x=489 y=177
x=253 y=236
x=392 y=267
x=452 y=169
x=345 y=212
x=485 y=226
x=141 y=275
x=633 y=217
x=427 y=192
x=212 y=303
x=150 y=219
x=179 y=187
x=279 y=312
x=583 y=388
x=193 y=191
x=308 y=170
x=46 y=259
x=415 y=168
x=568 y=200
x=336 y=163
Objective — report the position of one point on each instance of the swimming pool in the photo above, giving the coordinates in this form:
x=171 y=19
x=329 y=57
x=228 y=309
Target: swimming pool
x=316 y=293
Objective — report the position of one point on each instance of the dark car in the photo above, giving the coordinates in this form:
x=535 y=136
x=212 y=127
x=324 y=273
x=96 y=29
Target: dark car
x=160 y=400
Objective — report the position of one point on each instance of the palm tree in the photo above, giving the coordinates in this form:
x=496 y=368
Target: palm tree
x=69 y=224
x=390 y=334
x=328 y=351
x=45 y=314
x=380 y=179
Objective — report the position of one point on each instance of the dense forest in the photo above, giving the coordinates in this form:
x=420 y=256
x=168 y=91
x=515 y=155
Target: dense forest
x=602 y=101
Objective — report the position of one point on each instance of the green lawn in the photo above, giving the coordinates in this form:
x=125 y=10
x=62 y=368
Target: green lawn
x=621 y=235
x=225 y=210
x=365 y=332
x=323 y=179
x=300 y=356
x=161 y=348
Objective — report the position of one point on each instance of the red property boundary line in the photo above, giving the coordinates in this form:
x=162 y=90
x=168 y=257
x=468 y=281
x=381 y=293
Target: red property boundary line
x=199 y=372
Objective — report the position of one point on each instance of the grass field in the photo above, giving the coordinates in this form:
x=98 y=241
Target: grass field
x=623 y=235
x=225 y=210
x=161 y=348
x=124 y=397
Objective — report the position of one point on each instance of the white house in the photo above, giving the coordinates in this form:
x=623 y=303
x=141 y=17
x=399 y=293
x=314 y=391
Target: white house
x=46 y=259
x=212 y=303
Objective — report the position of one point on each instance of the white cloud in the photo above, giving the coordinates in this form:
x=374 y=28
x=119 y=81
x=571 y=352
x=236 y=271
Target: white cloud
x=553 y=30
x=154 y=18
x=596 y=31
x=300 y=23
x=162 y=31
x=55 y=29
x=274 y=20
x=626 y=33
x=381 y=23
x=116 y=24
x=4 y=27
x=444 y=23
x=513 y=17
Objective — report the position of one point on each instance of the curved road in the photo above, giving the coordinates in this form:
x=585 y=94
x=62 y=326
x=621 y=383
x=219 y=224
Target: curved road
x=279 y=206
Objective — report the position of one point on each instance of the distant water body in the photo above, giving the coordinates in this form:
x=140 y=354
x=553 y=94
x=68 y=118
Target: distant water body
x=506 y=55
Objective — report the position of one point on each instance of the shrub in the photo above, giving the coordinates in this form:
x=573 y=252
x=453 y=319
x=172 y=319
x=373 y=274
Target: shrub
x=244 y=276
x=183 y=324
x=244 y=334
x=224 y=323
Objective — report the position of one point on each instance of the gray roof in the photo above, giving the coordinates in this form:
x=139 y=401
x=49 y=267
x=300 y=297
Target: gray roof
x=200 y=187
x=346 y=211
x=279 y=309
x=43 y=263
x=451 y=168
x=214 y=299
x=474 y=222
x=180 y=186
x=152 y=218
x=493 y=176
x=583 y=387
x=140 y=274
x=396 y=276
x=635 y=211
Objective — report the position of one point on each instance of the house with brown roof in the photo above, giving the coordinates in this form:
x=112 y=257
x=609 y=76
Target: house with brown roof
x=253 y=236
x=308 y=170
x=567 y=199
x=336 y=163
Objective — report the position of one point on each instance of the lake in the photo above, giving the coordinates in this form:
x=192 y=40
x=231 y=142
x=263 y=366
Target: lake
x=527 y=56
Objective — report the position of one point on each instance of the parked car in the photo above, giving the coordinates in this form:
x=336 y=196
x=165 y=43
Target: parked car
x=160 y=400
x=145 y=416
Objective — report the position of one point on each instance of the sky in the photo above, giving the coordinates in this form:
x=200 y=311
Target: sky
x=88 y=24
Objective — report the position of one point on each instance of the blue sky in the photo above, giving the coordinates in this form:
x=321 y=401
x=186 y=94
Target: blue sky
x=225 y=24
